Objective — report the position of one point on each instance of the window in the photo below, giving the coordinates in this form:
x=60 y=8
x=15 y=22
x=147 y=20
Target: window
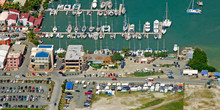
x=42 y=67
x=14 y=64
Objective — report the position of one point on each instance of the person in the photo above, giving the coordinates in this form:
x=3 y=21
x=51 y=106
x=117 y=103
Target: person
x=129 y=92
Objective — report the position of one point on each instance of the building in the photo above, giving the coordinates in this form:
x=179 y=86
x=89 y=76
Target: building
x=12 y=19
x=38 y=21
x=31 y=21
x=4 y=51
x=69 y=86
x=24 y=19
x=2 y=2
x=4 y=40
x=15 y=57
x=75 y=59
x=190 y=72
x=3 y=17
x=22 y=2
x=41 y=58
x=15 y=12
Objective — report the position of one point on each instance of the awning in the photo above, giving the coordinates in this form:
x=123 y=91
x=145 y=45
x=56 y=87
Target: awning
x=217 y=74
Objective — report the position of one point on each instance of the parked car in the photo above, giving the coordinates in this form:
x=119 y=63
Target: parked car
x=114 y=79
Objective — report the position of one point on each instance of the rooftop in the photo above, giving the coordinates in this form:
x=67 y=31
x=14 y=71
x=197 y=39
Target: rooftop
x=13 y=54
x=22 y=2
x=37 y=21
x=4 y=38
x=12 y=16
x=4 y=47
x=42 y=54
x=16 y=11
x=24 y=15
x=74 y=52
x=18 y=48
x=3 y=15
x=31 y=19
x=45 y=46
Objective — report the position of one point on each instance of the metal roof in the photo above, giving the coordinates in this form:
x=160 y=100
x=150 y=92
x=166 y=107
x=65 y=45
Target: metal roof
x=69 y=85
x=74 y=52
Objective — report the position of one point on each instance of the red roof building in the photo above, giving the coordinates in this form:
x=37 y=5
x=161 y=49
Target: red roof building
x=15 y=11
x=37 y=30
x=13 y=17
x=24 y=15
x=31 y=19
x=37 y=21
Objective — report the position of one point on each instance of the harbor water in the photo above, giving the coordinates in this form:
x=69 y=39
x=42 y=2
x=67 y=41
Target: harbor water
x=187 y=29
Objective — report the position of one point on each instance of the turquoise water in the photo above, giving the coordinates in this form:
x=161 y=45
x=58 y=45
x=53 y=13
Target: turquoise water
x=186 y=30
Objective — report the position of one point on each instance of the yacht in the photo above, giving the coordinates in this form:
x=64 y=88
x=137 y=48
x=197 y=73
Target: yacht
x=193 y=10
x=69 y=28
x=58 y=35
x=147 y=27
x=175 y=47
x=102 y=5
x=109 y=4
x=131 y=28
x=163 y=30
x=94 y=4
x=167 y=22
x=156 y=26
x=76 y=29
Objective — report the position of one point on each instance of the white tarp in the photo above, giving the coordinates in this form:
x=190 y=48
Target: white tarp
x=190 y=72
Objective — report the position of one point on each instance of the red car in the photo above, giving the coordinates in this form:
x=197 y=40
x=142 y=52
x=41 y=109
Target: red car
x=88 y=93
x=114 y=79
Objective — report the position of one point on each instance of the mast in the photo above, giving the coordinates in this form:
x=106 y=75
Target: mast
x=83 y=18
x=157 y=45
x=148 y=43
x=139 y=26
x=112 y=26
x=192 y=3
x=115 y=4
x=90 y=21
x=76 y=20
x=105 y=20
x=97 y=20
x=166 y=9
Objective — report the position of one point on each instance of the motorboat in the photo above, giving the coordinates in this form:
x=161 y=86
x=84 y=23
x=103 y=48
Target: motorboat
x=109 y=4
x=61 y=36
x=98 y=28
x=100 y=13
x=102 y=5
x=74 y=12
x=84 y=36
x=73 y=35
x=78 y=35
x=76 y=6
x=60 y=50
x=91 y=29
x=167 y=22
x=112 y=36
x=68 y=36
x=58 y=35
x=106 y=28
x=51 y=35
x=163 y=30
x=60 y=7
x=76 y=29
x=156 y=36
x=47 y=35
x=125 y=27
x=96 y=52
x=89 y=13
x=84 y=26
x=147 y=26
x=54 y=29
x=90 y=35
x=175 y=47
x=69 y=28
x=156 y=26
x=94 y=4
x=139 y=36
x=101 y=36
x=53 y=12
x=95 y=36
x=131 y=28
x=192 y=10
x=199 y=3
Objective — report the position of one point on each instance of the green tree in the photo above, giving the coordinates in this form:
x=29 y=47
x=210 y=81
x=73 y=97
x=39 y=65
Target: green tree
x=125 y=51
x=62 y=55
x=147 y=54
x=117 y=57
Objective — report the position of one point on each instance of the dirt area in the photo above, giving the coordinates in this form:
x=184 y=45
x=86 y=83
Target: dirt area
x=125 y=101
x=199 y=97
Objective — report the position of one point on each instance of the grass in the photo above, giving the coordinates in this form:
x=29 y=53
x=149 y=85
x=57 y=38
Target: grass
x=143 y=74
x=22 y=109
x=152 y=103
x=176 y=105
x=61 y=102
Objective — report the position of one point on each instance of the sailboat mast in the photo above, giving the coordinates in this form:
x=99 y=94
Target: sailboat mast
x=115 y=4
x=166 y=9
x=84 y=19
x=163 y=43
x=97 y=20
x=148 y=43
x=192 y=3
x=90 y=20
x=105 y=20
x=139 y=26
x=76 y=20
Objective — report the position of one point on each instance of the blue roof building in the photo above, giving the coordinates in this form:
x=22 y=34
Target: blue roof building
x=42 y=54
x=45 y=46
x=69 y=85
x=204 y=72
x=217 y=74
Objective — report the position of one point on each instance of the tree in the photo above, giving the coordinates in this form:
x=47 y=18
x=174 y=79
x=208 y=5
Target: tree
x=117 y=57
x=147 y=54
x=126 y=51
x=31 y=35
x=1 y=8
x=62 y=55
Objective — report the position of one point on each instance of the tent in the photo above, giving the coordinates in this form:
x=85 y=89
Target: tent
x=69 y=85
x=217 y=74
x=204 y=72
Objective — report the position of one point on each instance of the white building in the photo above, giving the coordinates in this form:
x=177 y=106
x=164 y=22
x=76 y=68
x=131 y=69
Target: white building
x=4 y=51
x=12 y=11
x=3 y=17
x=24 y=18
x=12 y=20
x=190 y=72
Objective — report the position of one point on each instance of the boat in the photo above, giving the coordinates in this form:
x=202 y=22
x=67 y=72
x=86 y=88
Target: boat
x=67 y=7
x=95 y=35
x=134 y=36
x=125 y=26
x=74 y=12
x=96 y=52
x=146 y=36
x=90 y=35
x=147 y=26
x=175 y=47
x=53 y=12
x=73 y=35
x=156 y=26
x=111 y=13
x=116 y=12
x=58 y=35
x=102 y=5
x=156 y=36
x=61 y=36
x=123 y=11
x=51 y=35
x=79 y=12
x=199 y=3
x=163 y=30
x=98 y=28
x=68 y=36
x=60 y=50
x=131 y=28
x=109 y=4
x=76 y=6
x=100 y=13
x=54 y=29
x=193 y=10
x=89 y=13
x=94 y=4
x=84 y=26
x=128 y=36
x=106 y=28
x=78 y=35
x=47 y=35
x=139 y=36
x=76 y=28
x=69 y=28
x=149 y=50
x=60 y=7
x=84 y=36
x=166 y=22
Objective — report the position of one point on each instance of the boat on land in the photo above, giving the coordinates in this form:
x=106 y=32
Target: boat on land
x=192 y=10
x=167 y=22
x=156 y=26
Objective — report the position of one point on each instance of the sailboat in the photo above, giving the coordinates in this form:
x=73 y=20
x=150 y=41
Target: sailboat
x=125 y=26
x=109 y=5
x=164 y=49
x=69 y=28
x=164 y=30
x=102 y=5
x=167 y=22
x=76 y=28
x=84 y=26
x=193 y=10
x=123 y=8
x=58 y=35
x=94 y=4
x=116 y=11
x=55 y=27
x=98 y=28
x=60 y=50
x=91 y=28
x=139 y=35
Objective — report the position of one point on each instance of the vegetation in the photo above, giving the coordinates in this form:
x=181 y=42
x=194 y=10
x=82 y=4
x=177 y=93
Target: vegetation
x=143 y=74
x=147 y=54
x=177 y=105
x=162 y=54
x=200 y=61
x=96 y=66
x=62 y=55
x=31 y=36
x=46 y=3
x=151 y=103
x=117 y=57
x=125 y=51
x=64 y=86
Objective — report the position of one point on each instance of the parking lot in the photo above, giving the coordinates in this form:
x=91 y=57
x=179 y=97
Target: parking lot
x=23 y=94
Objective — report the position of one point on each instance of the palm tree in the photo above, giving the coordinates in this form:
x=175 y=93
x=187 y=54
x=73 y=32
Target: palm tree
x=125 y=51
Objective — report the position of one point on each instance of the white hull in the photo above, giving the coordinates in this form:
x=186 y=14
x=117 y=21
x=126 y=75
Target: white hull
x=156 y=26
x=167 y=23
x=175 y=48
